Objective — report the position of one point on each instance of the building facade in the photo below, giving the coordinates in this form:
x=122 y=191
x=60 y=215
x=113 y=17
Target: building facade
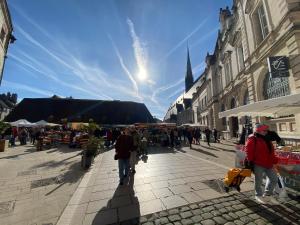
x=5 y=33
x=237 y=72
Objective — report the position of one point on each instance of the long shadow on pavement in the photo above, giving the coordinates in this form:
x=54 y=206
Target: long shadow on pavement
x=127 y=214
x=226 y=150
x=204 y=152
x=161 y=150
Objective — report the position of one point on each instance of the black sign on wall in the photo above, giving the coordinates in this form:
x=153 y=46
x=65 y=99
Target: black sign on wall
x=278 y=66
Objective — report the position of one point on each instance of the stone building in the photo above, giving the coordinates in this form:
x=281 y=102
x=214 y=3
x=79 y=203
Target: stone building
x=238 y=72
x=6 y=36
x=238 y=87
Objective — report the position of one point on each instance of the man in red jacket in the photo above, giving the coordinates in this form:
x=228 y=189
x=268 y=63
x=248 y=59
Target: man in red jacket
x=124 y=146
x=260 y=154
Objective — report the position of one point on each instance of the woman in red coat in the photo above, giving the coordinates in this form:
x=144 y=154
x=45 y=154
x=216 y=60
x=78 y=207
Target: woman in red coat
x=261 y=155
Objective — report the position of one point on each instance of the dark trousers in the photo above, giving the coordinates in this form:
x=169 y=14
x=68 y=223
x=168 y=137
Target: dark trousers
x=208 y=139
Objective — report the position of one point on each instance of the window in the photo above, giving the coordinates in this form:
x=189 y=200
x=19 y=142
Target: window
x=240 y=56
x=232 y=103
x=227 y=73
x=223 y=119
x=2 y=35
x=246 y=98
x=260 y=24
x=263 y=21
x=205 y=101
x=282 y=126
x=219 y=84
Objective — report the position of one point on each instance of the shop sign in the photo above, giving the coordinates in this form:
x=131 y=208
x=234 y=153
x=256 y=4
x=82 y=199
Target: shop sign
x=278 y=66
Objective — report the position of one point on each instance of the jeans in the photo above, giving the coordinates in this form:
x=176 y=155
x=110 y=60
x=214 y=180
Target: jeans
x=123 y=168
x=270 y=184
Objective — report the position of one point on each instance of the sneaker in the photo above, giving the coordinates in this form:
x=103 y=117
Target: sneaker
x=260 y=199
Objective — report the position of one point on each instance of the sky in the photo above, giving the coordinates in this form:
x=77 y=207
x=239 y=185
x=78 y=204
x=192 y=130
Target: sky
x=129 y=50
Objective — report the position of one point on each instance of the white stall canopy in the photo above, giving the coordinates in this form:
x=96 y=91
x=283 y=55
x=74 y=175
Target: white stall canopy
x=43 y=123
x=22 y=123
x=275 y=107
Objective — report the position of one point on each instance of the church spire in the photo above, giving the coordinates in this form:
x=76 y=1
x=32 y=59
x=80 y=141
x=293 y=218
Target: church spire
x=189 y=79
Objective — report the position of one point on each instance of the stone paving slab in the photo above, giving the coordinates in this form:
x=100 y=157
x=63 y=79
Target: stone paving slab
x=36 y=186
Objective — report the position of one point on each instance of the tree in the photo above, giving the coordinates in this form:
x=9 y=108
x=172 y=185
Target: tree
x=14 y=98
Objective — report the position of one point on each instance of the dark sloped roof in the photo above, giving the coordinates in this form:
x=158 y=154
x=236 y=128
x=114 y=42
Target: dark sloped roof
x=80 y=110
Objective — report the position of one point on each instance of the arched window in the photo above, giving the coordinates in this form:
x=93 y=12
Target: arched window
x=224 y=118
x=232 y=103
x=275 y=87
x=246 y=99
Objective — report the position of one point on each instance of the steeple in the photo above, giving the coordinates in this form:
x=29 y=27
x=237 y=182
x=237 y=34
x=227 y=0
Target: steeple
x=189 y=79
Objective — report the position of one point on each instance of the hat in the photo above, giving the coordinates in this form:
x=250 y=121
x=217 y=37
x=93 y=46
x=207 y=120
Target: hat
x=261 y=127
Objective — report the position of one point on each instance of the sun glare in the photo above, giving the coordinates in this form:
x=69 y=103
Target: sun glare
x=142 y=75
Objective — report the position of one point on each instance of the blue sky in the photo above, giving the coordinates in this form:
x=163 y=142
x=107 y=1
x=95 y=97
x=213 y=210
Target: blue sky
x=131 y=50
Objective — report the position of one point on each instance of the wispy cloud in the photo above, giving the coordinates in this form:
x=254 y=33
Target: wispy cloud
x=24 y=87
x=140 y=52
x=73 y=67
x=165 y=88
x=77 y=67
x=176 y=93
x=183 y=40
x=198 y=67
x=124 y=67
x=204 y=37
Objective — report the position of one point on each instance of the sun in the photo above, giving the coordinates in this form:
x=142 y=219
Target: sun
x=142 y=75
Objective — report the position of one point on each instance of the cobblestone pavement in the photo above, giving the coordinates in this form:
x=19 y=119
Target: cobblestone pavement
x=234 y=209
x=35 y=187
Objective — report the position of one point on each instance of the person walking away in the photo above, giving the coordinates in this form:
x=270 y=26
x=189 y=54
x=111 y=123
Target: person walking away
x=215 y=133
x=261 y=157
x=108 y=138
x=172 y=138
x=124 y=146
x=39 y=140
x=176 y=139
x=189 y=136
x=207 y=135
x=197 y=136
x=133 y=154
x=14 y=135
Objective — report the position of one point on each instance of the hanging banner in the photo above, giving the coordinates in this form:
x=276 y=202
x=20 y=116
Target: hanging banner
x=278 y=66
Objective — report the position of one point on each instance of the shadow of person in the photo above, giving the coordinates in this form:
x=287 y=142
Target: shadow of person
x=122 y=208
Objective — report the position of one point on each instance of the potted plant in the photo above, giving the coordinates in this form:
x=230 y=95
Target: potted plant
x=91 y=150
x=3 y=142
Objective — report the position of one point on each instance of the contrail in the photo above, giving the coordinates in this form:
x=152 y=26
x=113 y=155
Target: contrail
x=27 y=88
x=183 y=40
x=167 y=87
x=176 y=93
x=127 y=72
x=204 y=37
x=140 y=52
